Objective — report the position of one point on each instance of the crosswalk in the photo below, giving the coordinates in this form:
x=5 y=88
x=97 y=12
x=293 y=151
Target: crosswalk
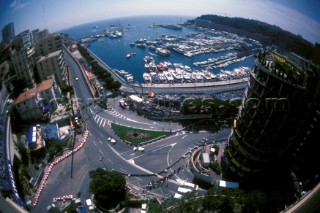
x=102 y=122
x=117 y=114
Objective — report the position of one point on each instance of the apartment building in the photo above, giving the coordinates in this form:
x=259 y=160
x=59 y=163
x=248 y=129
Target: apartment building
x=22 y=62
x=48 y=43
x=52 y=64
x=34 y=103
x=276 y=120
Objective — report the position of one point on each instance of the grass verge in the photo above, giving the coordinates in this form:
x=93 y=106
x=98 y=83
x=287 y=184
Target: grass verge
x=136 y=136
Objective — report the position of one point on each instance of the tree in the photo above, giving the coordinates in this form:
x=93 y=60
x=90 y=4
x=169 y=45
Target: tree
x=116 y=85
x=23 y=153
x=54 y=210
x=109 y=188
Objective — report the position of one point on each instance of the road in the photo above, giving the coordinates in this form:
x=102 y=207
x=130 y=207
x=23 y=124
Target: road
x=163 y=157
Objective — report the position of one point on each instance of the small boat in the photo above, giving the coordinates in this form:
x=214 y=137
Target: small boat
x=160 y=67
x=162 y=52
x=128 y=55
x=147 y=77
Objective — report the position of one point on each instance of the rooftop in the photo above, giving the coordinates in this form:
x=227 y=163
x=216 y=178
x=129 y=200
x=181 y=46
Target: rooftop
x=50 y=55
x=44 y=85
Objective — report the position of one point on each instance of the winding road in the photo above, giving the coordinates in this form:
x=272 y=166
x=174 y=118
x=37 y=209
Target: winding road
x=163 y=158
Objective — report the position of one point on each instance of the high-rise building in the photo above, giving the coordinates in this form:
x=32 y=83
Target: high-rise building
x=8 y=33
x=48 y=44
x=52 y=64
x=35 y=46
x=22 y=61
x=279 y=114
x=39 y=34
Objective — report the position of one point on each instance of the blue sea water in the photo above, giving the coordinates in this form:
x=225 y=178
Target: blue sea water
x=113 y=51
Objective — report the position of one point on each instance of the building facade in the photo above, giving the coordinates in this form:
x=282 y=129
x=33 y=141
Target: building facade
x=22 y=61
x=48 y=44
x=282 y=93
x=8 y=33
x=38 y=35
x=34 y=103
x=31 y=47
x=52 y=64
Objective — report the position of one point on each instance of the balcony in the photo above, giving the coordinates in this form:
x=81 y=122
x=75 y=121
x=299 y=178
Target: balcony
x=285 y=74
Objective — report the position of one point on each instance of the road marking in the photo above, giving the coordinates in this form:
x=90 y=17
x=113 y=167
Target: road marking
x=103 y=122
x=168 y=155
x=123 y=170
x=100 y=151
x=137 y=178
x=184 y=136
x=94 y=143
x=98 y=121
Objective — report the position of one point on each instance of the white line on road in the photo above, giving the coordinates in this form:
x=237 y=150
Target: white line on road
x=137 y=178
x=95 y=143
x=104 y=123
x=123 y=170
x=100 y=151
x=98 y=120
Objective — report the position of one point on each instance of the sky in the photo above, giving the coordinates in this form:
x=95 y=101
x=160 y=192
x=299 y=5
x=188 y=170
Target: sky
x=296 y=16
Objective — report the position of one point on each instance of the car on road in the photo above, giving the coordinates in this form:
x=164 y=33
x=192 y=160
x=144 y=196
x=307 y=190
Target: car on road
x=77 y=78
x=139 y=148
x=90 y=204
x=111 y=140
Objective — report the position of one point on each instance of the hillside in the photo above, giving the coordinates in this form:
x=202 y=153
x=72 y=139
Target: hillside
x=265 y=33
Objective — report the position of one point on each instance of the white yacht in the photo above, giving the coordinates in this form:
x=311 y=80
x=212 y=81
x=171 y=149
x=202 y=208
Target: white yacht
x=147 y=77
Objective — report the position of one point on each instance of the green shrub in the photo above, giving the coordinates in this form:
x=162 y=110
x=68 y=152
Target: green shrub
x=216 y=167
